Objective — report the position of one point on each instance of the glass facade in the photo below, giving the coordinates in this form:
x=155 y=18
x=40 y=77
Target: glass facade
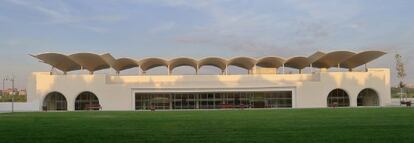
x=368 y=97
x=55 y=101
x=338 y=98
x=274 y=99
x=86 y=101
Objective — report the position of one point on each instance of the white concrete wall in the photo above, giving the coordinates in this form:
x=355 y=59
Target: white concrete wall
x=116 y=92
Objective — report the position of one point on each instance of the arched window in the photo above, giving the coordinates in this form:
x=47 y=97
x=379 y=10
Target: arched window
x=87 y=101
x=368 y=97
x=338 y=98
x=54 y=101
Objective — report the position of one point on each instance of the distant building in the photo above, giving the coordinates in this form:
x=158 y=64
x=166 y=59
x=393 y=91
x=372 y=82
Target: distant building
x=8 y=91
x=22 y=92
x=265 y=84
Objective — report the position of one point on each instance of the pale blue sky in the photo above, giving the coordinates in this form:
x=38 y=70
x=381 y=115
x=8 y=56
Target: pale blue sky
x=145 y=28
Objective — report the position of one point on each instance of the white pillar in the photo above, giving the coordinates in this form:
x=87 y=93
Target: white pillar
x=311 y=68
x=169 y=70
x=339 y=67
x=227 y=70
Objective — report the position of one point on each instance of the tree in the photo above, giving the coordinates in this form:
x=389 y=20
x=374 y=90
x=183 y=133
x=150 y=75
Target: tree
x=399 y=65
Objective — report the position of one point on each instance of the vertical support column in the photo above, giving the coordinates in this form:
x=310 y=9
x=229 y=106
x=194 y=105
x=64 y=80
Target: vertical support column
x=214 y=100
x=51 y=70
x=311 y=68
x=366 y=67
x=171 y=101
x=197 y=68
x=339 y=67
x=227 y=69
x=169 y=70
x=197 y=99
x=253 y=70
x=283 y=69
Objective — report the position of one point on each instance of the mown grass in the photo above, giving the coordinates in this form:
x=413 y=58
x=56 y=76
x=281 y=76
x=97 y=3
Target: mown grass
x=379 y=125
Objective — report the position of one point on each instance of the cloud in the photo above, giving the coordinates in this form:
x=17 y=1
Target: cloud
x=251 y=30
x=304 y=26
x=164 y=27
x=64 y=15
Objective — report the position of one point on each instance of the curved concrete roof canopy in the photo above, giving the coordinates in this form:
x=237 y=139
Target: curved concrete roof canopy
x=126 y=63
x=298 y=62
x=361 y=59
x=270 y=62
x=94 y=62
x=149 y=63
x=332 y=59
x=242 y=62
x=213 y=61
x=120 y=64
x=59 y=61
x=89 y=61
x=177 y=62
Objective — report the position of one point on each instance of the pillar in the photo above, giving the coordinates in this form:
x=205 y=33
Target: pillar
x=227 y=70
x=169 y=70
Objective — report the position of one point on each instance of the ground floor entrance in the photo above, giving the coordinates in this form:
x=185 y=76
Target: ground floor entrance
x=211 y=100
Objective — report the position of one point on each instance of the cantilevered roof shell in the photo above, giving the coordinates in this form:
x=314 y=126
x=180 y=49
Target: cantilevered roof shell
x=149 y=63
x=121 y=63
x=270 y=62
x=93 y=62
x=243 y=62
x=58 y=61
x=332 y=59
x=213 y=61
x=89 y=61
x=361 y=59
x=316 y=56
x=298 y=62
x=177 y=62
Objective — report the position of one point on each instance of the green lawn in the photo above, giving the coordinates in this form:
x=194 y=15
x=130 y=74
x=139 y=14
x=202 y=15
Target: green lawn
x=351 y=125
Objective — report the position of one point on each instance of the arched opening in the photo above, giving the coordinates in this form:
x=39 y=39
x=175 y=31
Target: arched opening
x=288 y=70
x=338 y=98
x=87 y=101
x=160 y=70
x=183 y=70
x=131 y=71
x=55 y=101
x=236 y=70
x=210 y=70
x=368 y=97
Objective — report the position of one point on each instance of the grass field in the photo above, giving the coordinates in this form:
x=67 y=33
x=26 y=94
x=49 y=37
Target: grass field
x=296 y=125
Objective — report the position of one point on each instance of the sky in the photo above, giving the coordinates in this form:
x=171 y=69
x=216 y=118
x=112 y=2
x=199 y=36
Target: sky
x=198 y=28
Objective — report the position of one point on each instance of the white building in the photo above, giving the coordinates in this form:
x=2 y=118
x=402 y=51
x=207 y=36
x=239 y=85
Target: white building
x=261 y=87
